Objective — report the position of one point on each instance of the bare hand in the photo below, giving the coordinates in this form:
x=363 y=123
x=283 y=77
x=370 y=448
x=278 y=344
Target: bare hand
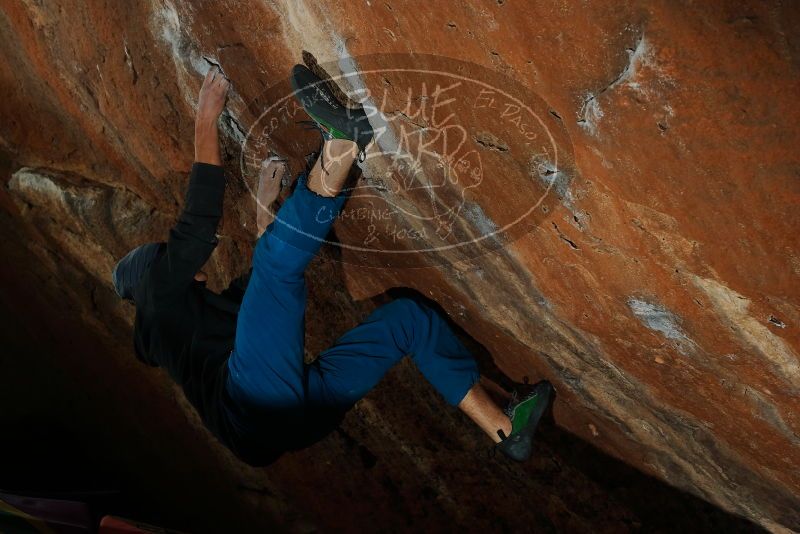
x=209 y=106
x=212 y=95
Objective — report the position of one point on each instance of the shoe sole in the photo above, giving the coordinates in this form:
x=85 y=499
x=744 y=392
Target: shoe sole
x=322 y=107
x=317 y=101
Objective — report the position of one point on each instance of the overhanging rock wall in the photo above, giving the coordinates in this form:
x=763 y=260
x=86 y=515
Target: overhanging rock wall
x=656 y=283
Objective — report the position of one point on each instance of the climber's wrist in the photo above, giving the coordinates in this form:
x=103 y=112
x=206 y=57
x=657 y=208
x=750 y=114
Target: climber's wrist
x=206 y=119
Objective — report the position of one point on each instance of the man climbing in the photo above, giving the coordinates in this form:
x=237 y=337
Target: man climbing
x=238 y=355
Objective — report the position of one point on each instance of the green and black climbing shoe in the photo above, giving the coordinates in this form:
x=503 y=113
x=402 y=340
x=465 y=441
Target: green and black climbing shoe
x=525 y=415
x=335 y=120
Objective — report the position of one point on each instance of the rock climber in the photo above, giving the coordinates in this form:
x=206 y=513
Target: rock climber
x=238 y=355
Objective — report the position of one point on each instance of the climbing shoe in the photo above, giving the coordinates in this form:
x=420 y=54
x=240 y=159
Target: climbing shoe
x=333 y=119
x=525 y=414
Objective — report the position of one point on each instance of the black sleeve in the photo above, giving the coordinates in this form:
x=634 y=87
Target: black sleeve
x=237 y=287
x=193 y=238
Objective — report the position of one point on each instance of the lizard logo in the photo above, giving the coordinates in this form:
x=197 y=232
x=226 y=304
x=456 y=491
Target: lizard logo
x=462 y=163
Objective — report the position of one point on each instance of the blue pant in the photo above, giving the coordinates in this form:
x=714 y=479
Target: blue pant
x=266 y=367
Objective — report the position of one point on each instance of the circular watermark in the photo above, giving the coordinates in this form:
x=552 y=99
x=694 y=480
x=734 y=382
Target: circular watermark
x=464 y=161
